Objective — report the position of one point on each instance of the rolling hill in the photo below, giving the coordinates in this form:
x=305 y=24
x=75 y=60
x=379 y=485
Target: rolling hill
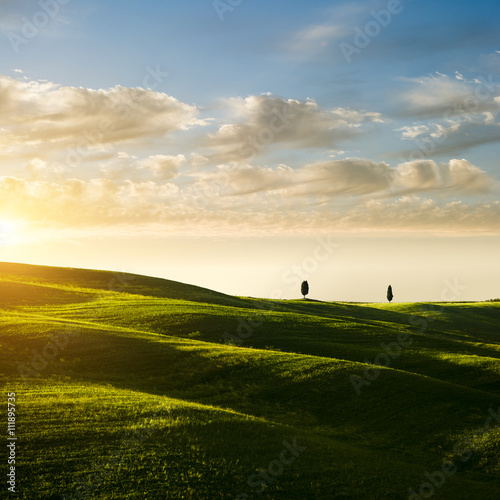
x=136 y=387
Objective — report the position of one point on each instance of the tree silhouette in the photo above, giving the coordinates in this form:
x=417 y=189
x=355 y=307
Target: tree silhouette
x=304 y=288
x=389 y=294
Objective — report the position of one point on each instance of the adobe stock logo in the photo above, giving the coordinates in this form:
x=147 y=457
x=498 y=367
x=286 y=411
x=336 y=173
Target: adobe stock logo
x=222 y=7
x=463 y=451
x=266 y=477
x=40 y=20
x=363 y=37
x=279 y=121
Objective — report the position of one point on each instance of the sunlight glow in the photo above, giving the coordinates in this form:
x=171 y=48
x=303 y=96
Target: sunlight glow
x=10 y=231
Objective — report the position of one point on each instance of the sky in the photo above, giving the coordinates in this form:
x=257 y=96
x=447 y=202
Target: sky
x=248 y=145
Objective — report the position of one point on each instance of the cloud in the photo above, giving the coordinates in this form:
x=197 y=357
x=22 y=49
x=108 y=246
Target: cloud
x=455 y=114
x=344 y=195
x=455 y=175
x=349 y=177
x=39 y=170
x=415 y=214
x=135 y=176
x=445 y=97
x=163 y=166
x=353 y=177
x=354 y=26
x=42 y=117
x=156 y=168
x=314 y=38
x=451 y=136
x=490 y=63
x=103 y=206
x=247 y=179
x=86 y=204
x=338 y=22
x=448 y=40
x=267 y=120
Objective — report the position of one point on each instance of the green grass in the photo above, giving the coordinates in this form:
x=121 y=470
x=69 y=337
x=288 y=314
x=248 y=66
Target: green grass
x=152 y=393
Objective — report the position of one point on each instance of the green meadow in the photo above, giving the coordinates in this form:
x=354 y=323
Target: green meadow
x=130 y=387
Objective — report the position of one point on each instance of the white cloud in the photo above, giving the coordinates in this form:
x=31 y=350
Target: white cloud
x=413 y=131
x=452 y=136
x=454 y=114
x=163 y=166
x=267 y=120
x=39 y=170
x=349 y=177
x=337 y=23
x=414 y=214
x=314 y=38
x=353 y=177
x=442 y=96
x=42 y=117
x=455 y=175
x=342 y=195
x=134 y=177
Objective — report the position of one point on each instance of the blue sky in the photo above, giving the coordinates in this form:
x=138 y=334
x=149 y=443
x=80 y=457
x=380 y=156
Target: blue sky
x=265 y=121
x=246 y=53
x=257 y=49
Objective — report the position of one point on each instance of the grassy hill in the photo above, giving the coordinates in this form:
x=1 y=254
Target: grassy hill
x=135 y=387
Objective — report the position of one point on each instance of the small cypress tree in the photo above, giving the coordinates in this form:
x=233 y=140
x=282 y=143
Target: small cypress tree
x=389 y=294
x=304 y=288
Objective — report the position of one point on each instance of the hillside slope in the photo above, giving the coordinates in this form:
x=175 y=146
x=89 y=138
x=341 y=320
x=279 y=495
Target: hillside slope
x=165 y=398
x=52 y=277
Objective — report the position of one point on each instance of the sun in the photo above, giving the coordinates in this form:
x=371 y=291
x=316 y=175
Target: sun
x=10 y=231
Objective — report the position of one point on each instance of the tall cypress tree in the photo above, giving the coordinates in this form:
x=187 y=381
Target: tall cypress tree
x=304 y=288
x=389 y=294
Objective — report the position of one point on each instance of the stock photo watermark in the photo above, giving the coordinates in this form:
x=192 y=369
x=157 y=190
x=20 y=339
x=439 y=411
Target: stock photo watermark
x=463 y=451
x=223 y=7
x=454 y=288
x=278 y=123
x=203 y=194
x=392 y=351
x=484 y=91
x=40 y=359
x=363 y=36
x=34 y=24
x=130 y=442
x=324 y=250
x=95 y=139
x=265 y=477
x=389 y=353
x=11 y=442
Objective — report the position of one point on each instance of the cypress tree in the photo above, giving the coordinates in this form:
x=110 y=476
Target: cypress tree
x=389 y=294
x=304 y=288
